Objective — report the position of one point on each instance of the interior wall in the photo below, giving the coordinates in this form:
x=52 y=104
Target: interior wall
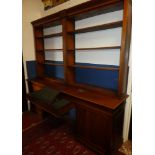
x=63 y=6
x=128 y=106
x=31 y=10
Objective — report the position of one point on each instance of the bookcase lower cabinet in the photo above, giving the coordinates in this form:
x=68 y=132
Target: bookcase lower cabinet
x=101 y=130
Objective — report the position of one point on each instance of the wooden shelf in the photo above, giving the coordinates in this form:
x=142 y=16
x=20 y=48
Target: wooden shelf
x=82 y=49
x=40 y=50
x=98 y=27
x=52 y=50
x=48 y=62
x=94 y=67
x=97 y=48
x=51 y=35
x=52 y=63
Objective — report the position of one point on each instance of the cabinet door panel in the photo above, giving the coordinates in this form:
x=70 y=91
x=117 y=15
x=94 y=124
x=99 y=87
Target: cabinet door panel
x=99 y=128
x=94 y=125
x=81 y=122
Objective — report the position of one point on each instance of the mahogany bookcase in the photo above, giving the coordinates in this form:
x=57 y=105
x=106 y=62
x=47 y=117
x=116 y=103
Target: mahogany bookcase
x=99 y=111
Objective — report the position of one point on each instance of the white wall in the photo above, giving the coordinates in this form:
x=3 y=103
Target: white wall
x=128 y=106
x=63 y=6
x=32 y=10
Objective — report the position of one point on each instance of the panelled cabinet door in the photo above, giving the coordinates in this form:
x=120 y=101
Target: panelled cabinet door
x=100 y=127
x=95 y=126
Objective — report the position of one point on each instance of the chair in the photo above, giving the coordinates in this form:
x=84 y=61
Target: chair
x=50 y=101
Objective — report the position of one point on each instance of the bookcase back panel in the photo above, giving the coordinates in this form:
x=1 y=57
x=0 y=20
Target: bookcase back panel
x=107 y=56
x=101 y=38
x=88 y=76
x=85 y=76
x=54 y=71
x=100 y=19
x=31 y=69
x=54 y=56
x=50 y=43
x=100 y=78
x=52 y=30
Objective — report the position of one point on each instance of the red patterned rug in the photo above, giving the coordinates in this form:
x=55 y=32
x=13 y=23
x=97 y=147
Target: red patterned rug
x=30 y=119
x=51 y=138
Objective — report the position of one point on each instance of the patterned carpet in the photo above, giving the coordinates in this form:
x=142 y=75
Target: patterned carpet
x=30 y=119
x=50 y=137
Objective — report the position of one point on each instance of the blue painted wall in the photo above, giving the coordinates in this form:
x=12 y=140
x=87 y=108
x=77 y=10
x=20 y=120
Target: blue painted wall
x=101 y=78
x=31 y=69
x=55 y=71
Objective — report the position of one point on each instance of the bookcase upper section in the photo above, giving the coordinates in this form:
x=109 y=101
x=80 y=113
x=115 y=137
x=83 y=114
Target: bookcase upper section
x=68 y=35
x=81 y=11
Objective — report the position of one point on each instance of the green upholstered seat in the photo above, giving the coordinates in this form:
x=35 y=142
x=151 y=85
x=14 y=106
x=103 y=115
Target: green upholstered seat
x=47 y=95
x=60 y=103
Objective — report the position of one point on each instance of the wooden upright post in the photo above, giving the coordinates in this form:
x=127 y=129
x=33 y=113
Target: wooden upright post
x=125 y=47
x=39 y=50
x=68 y=49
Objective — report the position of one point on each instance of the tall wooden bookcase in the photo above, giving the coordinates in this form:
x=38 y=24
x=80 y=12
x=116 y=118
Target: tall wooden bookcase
x=104 y=107
x=67 y=19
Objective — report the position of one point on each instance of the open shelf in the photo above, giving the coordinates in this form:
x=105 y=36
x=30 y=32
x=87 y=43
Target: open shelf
x=51 y=35
x=50 y=50
x=82 y=49
x=93 y=67
x=52 y=63
x=40 y=50
x=99 y=27
x=96 y=48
